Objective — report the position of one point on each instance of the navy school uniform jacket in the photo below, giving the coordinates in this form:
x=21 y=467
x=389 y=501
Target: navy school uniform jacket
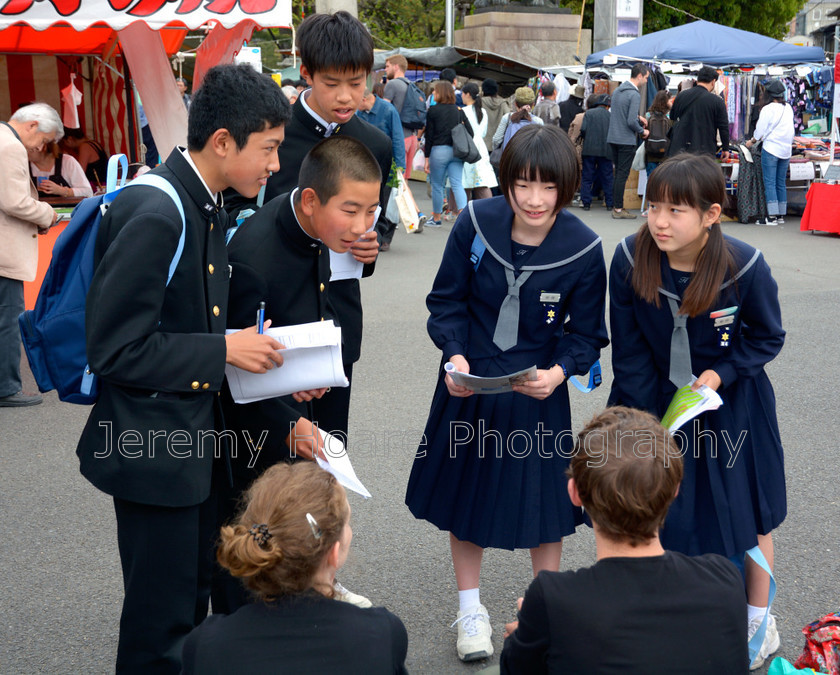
x=274 y=261
x=159 y=351
x=642 y=331
x=302 y=134
x=464 y=305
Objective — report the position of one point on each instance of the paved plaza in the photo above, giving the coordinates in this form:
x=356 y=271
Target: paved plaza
x=62 y=589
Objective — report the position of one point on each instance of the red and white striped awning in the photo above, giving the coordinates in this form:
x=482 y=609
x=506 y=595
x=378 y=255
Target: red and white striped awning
x=87 y=26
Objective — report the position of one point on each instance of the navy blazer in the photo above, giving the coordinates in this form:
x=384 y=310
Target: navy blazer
x=465 y=302
x=642 y=332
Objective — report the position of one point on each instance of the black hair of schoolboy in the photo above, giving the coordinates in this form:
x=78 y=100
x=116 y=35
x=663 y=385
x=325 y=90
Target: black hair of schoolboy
x=236 y=98
x=337 y=42
x=543 y=153
x=448 y=75
x=334 y=160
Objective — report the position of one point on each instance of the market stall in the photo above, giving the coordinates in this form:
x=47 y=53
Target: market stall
x=744 y=61
x=128 y=44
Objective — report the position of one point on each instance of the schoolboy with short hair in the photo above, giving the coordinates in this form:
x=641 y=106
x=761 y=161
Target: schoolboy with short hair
x=652 y=610
x=160 y=353
x=280 y=256
x=336 y=53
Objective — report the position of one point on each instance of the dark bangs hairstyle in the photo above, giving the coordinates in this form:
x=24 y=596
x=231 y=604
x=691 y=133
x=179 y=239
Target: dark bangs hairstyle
x=338 y=42
x=238 y=99
x=542 y=153
x=695 y=181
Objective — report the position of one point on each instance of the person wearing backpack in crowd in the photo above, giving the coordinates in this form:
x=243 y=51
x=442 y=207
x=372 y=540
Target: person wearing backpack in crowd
x=495 y=107
x=395 y=93
x=626 y=126
x=596 y=152
x=22 y=219
x=547 y=109
x=494 y=495
x=160 y=351
x=336 y=54
x=637 y=591
x=514 y=121
x=441 y=119
x=699 y=116
x=571 y=107
x=659 y=126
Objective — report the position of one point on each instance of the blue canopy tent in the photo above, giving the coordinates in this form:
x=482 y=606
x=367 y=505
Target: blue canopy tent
x=710 y=44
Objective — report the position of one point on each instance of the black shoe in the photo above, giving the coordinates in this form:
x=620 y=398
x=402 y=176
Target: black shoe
x=586 y=207
x=384 y=246
x=20 y=400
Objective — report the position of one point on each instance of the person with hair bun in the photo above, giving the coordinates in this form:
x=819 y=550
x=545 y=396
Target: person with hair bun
x=286 y=545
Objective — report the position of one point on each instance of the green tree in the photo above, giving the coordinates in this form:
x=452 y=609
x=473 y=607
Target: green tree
x=404 y=23
x=769 y=18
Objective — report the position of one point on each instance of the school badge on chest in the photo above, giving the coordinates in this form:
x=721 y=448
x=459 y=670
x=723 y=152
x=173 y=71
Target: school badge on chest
x=549 y=301
x=724 y=319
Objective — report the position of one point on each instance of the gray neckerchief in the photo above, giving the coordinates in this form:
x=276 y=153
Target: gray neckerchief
x=680 y=372
x=506 y=334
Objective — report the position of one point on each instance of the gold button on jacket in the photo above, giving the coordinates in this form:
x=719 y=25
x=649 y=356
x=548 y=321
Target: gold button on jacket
x=195 y=385
x=216 y=310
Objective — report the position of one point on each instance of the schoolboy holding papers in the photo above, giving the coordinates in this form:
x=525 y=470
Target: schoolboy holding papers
x=280 y=256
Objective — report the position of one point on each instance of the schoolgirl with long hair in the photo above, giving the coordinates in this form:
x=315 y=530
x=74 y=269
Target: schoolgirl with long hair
x=687 y=300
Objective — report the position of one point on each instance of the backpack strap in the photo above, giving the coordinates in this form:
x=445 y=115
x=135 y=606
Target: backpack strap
x=159 y=182
x=150 y=180
x=758 y=637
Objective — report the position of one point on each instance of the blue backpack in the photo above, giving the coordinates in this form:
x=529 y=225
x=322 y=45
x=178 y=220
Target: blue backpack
x=54 y=331
x=512 y=128
x=413 y=112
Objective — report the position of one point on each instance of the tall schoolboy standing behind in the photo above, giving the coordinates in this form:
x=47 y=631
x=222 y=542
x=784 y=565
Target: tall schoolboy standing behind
x=686 y=299
x=491 y=468
x=336 y=54
x=280 y=256
x=160 y=352
x=625 y=473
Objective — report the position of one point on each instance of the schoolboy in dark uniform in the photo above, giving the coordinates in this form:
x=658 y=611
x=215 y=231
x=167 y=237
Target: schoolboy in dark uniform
x=336 y=53
x=160 y=352
x=281 y=256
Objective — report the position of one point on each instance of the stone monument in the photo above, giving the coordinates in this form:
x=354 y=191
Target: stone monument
x=535 y=32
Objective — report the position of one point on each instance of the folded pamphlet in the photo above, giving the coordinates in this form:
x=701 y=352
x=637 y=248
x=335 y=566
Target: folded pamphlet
x=490 y=385
x=688 y=404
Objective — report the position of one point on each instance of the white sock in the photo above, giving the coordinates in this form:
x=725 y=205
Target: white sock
x=469 y=599
x=753 y=612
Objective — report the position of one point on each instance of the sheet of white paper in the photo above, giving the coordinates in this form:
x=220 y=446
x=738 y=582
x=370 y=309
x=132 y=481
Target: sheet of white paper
x=339 y=464
x=490 y=385
x=311 y=360
x=344 y=265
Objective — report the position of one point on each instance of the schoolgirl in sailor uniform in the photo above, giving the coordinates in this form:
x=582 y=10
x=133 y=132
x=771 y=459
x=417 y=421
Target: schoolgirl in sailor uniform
x=491 y=468
x=686 y=299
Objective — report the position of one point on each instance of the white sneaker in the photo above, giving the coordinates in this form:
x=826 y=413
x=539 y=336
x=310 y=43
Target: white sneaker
x=771 y=639
x=780 y=220
x=343 y=595
x=474 y=633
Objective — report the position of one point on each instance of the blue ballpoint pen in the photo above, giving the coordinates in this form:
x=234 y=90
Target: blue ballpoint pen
x=260 y=318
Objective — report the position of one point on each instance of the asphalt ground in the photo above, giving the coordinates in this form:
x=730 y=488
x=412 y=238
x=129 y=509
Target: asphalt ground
x=61 y=587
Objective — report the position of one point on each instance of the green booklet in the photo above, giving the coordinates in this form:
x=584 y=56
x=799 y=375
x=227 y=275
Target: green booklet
x=687 y=404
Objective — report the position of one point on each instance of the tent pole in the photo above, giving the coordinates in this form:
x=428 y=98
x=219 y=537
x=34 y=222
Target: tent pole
x=129 y=112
